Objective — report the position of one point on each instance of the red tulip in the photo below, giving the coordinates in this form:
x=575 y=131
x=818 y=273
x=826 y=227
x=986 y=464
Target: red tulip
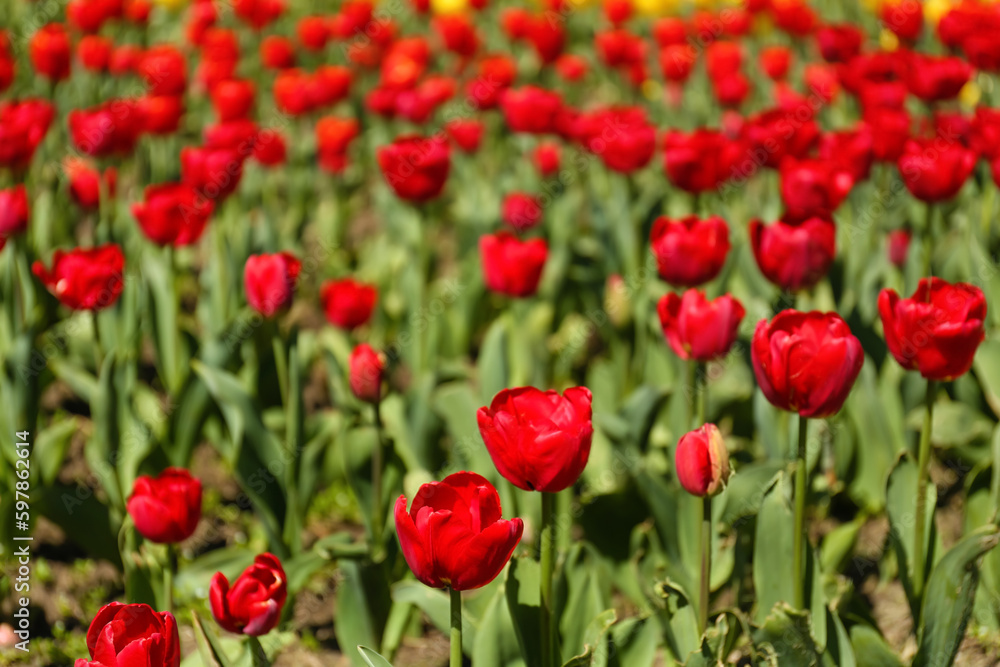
x=366 y=367
x=903 y=17
x=137 y=11
x=701 y=161
x=13 y=211
x=239 y=135
x=124 y=60
x=933 y=78
x=689 y=251
x=89 y=15
x=203 y=15
x=806 y=362
x=333 y=138
x=937 y=330
x=94 y=52
x=172 y=214
x=511 y=266
x=775 y=61
x=215 y=173
x=521 y=211
x=935 y=170
x=538 y=440
x=547 y=34
x=813 y=188
x=495 y=75
x=795 y=17
x=899 y=246
x=269 y=148
x=571 y=67
x=515 y=22
x=161 y=115
x=454 y=536
x=619 y=48
x=233 y=99
x=677 y=61
x=547 y=158
x=269 y=281
x=348 y=304
x=312 y=32
x=530 y=109
x=259 y=14
x=617 y=11
x=702 y=461
x=723 y=58
x=164 y=70
x=166 y=509
x=985 y=137
x=794 y=255
x=731 y=89
x=252 y=606
x=776 y=133
x=821 y=81
x=620 y=136
x=112 y=128
x=457 y=33
x=292 y=92
x=85 y=279
x=132 y=634
x=852 y=151
x=839 y=43
x=415 y=167
x=85 y=182
x=890 y=132
x=466 y=133
x=7 y=63
x=669 y=30
x=697 y=328
x=277 y=52
x=49 y=50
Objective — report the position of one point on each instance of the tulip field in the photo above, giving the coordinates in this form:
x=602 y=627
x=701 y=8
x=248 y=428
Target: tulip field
x=561 y=333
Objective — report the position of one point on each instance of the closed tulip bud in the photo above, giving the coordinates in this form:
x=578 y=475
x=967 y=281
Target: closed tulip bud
x=94 y=52
x=839 y=43
x=899 y=246
x=277 y=52
x=775 y=61
x=85 y=182
x=415 y=167
x=132 y=634
x=269 y=281
x=161 y=114
x=269 y=148
x=794 y=255
x=621 y=136
x=617 y=303
x=689 y=251
x=510 y=266
x=454 y=535
x=348 y=304
x=697 y=328
x=252 y=605
x=571 y=67
x=521 y=211
x=84 y=278
x=890 y=132
x=806 y=362
x=166 y=509
x=172 y=214
x=933 y=78
x=214 y=173
x=852 y=150
x=547 y=158
x=937 y=330
x=13 y=211
x=366 y=367
x=702 y=461
x=466 y=134
x=775 y=133
x=538 y=440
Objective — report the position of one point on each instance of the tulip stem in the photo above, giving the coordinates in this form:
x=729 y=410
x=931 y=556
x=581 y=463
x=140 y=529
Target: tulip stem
x=377 y=513
x=547 y=561
x=923 y=462
x=456 y=628
x=706 y=562
x=801 y=473
x=692 y=392
x=98 y=355
x=929 y=240
x=701 y=385
x=168 y=578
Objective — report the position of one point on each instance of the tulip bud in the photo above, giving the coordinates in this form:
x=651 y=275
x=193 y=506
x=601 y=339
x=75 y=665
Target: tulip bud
x=366 y=369
x=253 y=605
x=166 y=509
x=617 y=304
x=899 y=246
x=13 y=211
x=702 y=461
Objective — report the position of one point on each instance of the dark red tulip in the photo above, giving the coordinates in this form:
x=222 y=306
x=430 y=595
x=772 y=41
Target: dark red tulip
x=776 y=133
x=839 y=43
x=985 y=139
x=903 y=17
x=776 y=61
x=890 y=132
x=366 y=367
x=457 y=33
x=85 y=182
x=164 y=70
x=851 y=150
x=530 y=109
x=202 y=16
x=899 y=246
x=8 y=65
x=312 y=32
x=161 y=115
x=466 y=133
x=689 y=251
x=49 y=50
x=277 y=52
x=511 y=266
x=794 y=255
x=617 y=11
x=547 y=34
x=292 y=92
x=348 y=304
x=937 y=330
x=821 y=81
x=621 y=136
x=934 y=78
x=619 y=48
x=84 y=278
x=252 y=605
x=515 y=22
x=731 y=89
x=677 y=61
x=806 y=362
x=258 y=14
x=547 y=157
x=215 y=173
x=415 y=167
x=239 y=135
x=700 y=161
x=166 y=509
x=172 y=214
x=495 y=74
x=94 y=52
x=132 y=634
x=723 y=58
x=935 y=170
x=454 y=536
x=269 y=148
x=112 y=128
x=233 y=99
x=125 y=60
x=702 y=461
x=538 y=440
x=813 y=188
x=697 y=328
x=269 y=281
x=521 y=211
x=13 y=211
x=669 y=30
x=333 y=138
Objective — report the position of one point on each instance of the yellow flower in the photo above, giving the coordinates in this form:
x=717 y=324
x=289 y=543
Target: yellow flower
x=934 y=10
x=172 y=5
x=449 y=6
x=887 y=40
x=656 y=7
x=970 y=94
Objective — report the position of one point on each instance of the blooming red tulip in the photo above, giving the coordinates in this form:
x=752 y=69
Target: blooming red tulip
x=94 y=52
x=731 y=89
x=312 y=32
x=49 y=50
x=85 y=278
x=8 y=65
x=348 y=304
x=935 y=170
x=269 y=281
x=547 y=158
x=457 y=33
x=454 y=536
x=702 y=461
x=619 y=48
x=794 y=255
x=233 y=99
x=689 y=251
x=547 y=34
x=415 y=167
x=937 y=330
x=112 y=128
x=202 y=16
x=252 y=605
x=852 y=151
x=466 y=133
x=775 y=61
x=899 y=246
x=620 y=136
x=776 y=133
x=172 y=214
x=903 y=17
x=617 y=11
x=806 y=362
x=538 y=440
x=697 y=328
x=985 y=134
x=214 y=173
x=161 y=115
x=132 y=634
x=495 y=75
x=166 y=509
x=124 y=60
x=530 y=109
x=669 y=30
x=164 y=70
x=890 y=132
x=366 y=367
x=677 y=61
x=839 y=43
x=277 y=52
x=137 y=11
x=701 y=161
x=511 y=266
x=813 y=188
x=933 y=78
x=333 y=138
x=85 y=182
x=89 y=15
x=795 y=17
x=269 y=148
x=521 y=211
x=571 y=67
x=259 y=14
x=723 y=58
x=13 y=211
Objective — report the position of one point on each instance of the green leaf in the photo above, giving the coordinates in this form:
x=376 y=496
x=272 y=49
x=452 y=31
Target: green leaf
x=437 y=605
x=901 y=505
x=871 y=650
x=496 y=639
x=592 y=638
x=745 y=491
x=949 y=597
x=785 y=634
x=363 y=593
x=51 y=445
x=372 y=658
x=773 y=548
x=211 y=652
x=987 y=366
x=524 y=603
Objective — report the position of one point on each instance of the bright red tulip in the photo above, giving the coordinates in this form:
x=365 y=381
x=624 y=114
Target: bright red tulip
x=571 y=67
x=161 y=115
x=776 y=133
x=312 y=32
x=277 y=52
x=348 y=304
x=937 y=330
x=125 y=60
x=985 y=137
x=164 y=70
x=702 y=461
x=521 y=211
x=454 y=536
x=333 y=139
x=214 y=173
x=677 y=61
x=935 y=170
x=259 y=14
x=457 y=33
x=806 y=362
x=697 y=328
x=852 y=150
x=85 y=278
x=890 y=132
x=511 y=266
x=794 y=255
x=366 y=367
x=903 y=17
x=132 y=634
x=933 y=78
x=13 y=211
x=252 y=605
x=233 y=99
x=700 y=161
x=269 y=148
x=166 y=509
x=689 y=251
x=547 y=157
x=85 y=182
x=530 y=109
x=776 y=61
x=172 y=214
x=621 y=136
x=94 y=52
x=466 y=133
x=547 y=34
x=112 y=128
x=49 y=50
x=269 y=281
x=538 y=440
x=495 y=74
x=813 y=188
x=415 y=167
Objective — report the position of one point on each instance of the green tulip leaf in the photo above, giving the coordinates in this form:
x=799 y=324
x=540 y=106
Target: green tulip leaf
x=209 y=648
x=372 y=658
x=870 y=649
x=524 y=603
x=900 y=504
x=786 y=635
